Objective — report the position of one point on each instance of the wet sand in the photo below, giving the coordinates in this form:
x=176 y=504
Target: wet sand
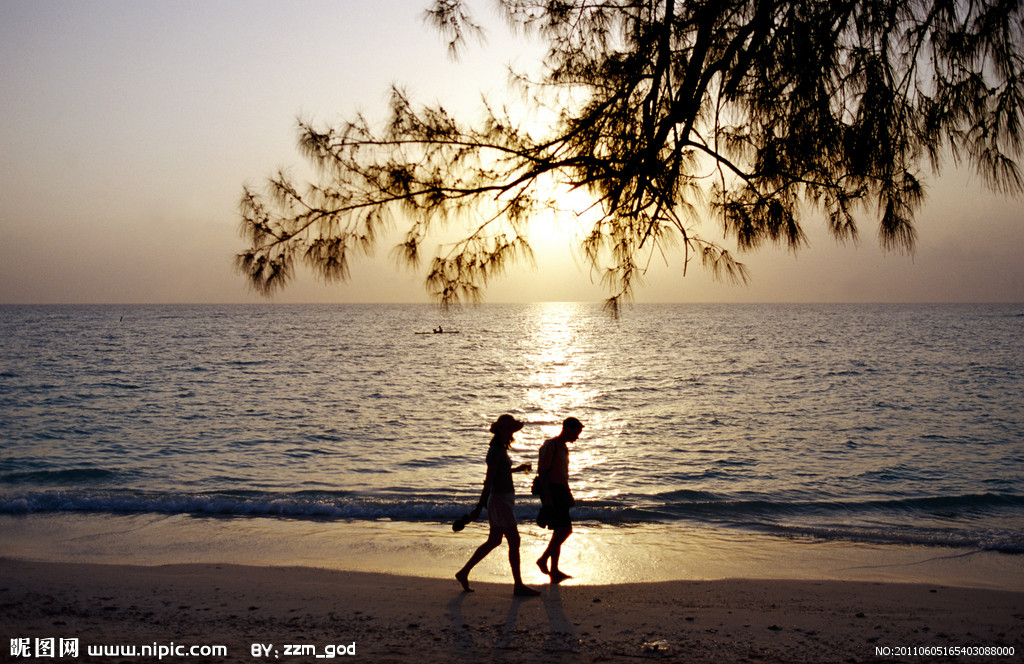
x=394 y=618
x=595 y=555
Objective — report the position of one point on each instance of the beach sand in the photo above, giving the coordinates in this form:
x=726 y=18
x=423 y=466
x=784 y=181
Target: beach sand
x=394 y=618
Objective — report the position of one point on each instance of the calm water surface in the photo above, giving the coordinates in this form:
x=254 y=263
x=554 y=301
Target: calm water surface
x=883 y=424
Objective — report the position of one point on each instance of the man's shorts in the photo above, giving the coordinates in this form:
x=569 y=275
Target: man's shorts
x=556 y=512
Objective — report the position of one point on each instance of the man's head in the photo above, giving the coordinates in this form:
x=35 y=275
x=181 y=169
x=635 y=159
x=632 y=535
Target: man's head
x=571 y=428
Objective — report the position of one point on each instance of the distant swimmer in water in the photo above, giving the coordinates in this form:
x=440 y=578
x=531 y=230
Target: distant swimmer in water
x=498 y=498
x=439 y=330
x=556 y=497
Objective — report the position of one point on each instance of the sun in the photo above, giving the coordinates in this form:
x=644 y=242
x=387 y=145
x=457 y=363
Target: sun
x=558 y=230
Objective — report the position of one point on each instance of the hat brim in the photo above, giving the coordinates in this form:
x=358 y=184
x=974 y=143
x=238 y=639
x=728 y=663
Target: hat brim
x=508 y=424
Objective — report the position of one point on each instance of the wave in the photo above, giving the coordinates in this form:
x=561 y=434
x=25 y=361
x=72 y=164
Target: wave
x=215 y=504
x=890 y=521
x=696 y=504
x=682 y=503
x=999 y=540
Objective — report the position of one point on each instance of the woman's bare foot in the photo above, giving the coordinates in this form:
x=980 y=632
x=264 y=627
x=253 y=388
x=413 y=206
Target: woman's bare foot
x=524 y=591
x=542 y=563
x=463 y=578
x=558 y=577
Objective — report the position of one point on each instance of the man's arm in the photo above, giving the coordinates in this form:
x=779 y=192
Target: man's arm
x=544 y=458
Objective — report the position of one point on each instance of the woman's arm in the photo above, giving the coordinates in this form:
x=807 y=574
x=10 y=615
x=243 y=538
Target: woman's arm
x=484 y=495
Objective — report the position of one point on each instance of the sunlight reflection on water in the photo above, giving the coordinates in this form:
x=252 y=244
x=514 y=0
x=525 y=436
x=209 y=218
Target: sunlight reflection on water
x=876 y=423
x=563 y=368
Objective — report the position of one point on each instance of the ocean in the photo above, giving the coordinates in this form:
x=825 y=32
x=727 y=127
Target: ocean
x=863 y=425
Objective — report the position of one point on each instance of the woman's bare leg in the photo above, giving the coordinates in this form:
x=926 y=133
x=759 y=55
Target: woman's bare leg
x=520 y=589
x=493 y=540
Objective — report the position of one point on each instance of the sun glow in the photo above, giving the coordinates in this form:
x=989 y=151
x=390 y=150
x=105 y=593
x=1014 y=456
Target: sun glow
x=559 y=230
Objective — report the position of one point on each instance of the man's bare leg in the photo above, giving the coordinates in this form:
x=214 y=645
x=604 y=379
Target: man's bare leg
x=554 y=552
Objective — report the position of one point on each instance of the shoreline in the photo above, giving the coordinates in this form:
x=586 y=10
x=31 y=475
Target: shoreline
x=594 y=555
x=396 y=618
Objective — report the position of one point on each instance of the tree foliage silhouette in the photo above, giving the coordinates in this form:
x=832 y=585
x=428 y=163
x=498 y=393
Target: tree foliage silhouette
x=671 y=116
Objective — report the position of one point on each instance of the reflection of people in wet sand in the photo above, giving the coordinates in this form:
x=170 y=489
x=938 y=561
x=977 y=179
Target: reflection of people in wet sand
x=556 y=498
x=499 y=499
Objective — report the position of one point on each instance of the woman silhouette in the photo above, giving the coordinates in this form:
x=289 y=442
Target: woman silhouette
x=498 y=497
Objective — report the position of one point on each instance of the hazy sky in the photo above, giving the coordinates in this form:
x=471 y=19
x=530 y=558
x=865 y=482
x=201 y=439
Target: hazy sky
x=127 y=130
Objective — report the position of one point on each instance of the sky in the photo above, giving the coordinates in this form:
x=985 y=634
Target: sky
x=128 y=129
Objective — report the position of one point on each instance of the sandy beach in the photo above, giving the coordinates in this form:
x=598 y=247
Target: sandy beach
x=298 y=613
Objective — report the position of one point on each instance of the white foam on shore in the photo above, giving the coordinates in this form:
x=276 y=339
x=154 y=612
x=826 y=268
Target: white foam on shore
x=593 y=555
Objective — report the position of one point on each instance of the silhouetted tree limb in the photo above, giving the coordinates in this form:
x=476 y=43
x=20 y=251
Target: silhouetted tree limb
x=668 y=115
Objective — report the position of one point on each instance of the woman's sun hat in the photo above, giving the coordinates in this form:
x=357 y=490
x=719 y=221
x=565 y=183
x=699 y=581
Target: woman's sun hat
x=507 y=424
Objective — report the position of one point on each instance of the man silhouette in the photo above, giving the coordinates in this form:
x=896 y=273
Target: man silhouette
x=556 y=497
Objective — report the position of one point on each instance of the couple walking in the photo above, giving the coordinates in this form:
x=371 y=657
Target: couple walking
x=498 y=498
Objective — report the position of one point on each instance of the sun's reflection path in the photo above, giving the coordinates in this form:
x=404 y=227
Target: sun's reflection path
x=564 y=363
x=565 y=358
x=556 y=359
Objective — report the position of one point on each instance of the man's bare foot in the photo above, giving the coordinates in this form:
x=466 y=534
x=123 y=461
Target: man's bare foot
x=558 y=577
x=525 y=591
x=463 y=578
x=542 y=563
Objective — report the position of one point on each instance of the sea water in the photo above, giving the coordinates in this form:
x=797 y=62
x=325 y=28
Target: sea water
x=864 y=425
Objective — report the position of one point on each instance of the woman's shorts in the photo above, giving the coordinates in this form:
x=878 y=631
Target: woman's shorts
x=500 y=510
